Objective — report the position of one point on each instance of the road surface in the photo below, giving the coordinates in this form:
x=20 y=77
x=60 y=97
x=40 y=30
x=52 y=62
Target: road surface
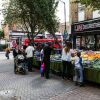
x=33 y=87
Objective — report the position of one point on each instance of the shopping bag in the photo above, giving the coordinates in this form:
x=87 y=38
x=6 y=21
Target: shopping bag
x=42 y=68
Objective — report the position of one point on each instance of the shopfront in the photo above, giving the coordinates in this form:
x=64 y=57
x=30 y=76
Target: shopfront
x=86 y=34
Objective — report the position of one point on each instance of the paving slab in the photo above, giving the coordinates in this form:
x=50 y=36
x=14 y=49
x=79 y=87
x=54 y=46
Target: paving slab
x=33 y=87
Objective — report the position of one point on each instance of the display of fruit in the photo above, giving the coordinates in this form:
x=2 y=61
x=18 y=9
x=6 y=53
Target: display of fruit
x=90 y=55
x=91 y=58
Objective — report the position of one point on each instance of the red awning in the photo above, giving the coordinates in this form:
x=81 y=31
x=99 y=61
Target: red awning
x=26 y=41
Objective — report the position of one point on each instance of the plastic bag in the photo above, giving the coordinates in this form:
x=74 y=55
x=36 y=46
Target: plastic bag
x=42 y=68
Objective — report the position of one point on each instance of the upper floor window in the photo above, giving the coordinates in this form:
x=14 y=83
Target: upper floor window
x=96 y=14
x=81 y=12
x=81 y=7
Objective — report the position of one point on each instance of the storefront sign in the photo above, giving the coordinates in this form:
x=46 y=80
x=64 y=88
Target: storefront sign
x=86 y=26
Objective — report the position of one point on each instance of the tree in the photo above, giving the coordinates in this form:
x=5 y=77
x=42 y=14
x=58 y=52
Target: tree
x=33 y=15
x=95 y=4
x=1 y=34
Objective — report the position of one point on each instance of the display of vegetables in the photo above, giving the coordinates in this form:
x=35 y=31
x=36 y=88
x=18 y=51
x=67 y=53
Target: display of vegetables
x=96 y=63
x=91 y=59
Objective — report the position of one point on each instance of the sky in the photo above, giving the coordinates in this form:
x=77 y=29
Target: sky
x=60 y=11
x=1 y=17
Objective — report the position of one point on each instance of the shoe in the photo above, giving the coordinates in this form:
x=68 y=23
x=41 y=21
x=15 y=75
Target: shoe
x=76 y=83
x=47 y=77
x=30 y=70
x=63 y=77
x=81 y=84
x=42 y=75
x=68 y=78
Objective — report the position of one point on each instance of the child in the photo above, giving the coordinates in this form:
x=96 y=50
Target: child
x=7 y=53
x=78 y=70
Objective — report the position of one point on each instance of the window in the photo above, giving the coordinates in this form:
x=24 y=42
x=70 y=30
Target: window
x=96 y=14
x=81 y=13
x=81 y=16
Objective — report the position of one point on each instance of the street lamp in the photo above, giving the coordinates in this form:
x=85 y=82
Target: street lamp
x=64 y=12
x=65 y=30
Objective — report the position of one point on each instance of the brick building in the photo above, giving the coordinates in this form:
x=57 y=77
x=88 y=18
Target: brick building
x=62 y=27
x=76 y=10
x=85 y=26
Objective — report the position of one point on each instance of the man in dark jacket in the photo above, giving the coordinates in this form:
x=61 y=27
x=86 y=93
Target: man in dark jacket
x=14 y=52
x=47 y=53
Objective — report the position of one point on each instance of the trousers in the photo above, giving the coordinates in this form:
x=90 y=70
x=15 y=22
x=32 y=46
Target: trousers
x=30 y=63
x=78 y=75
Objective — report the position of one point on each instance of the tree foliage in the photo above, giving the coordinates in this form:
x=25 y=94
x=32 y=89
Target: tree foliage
x=1 y=34
x=95 y=4
x=33 y=15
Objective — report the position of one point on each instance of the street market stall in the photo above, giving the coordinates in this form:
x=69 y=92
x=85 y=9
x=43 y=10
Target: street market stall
x=91 y=63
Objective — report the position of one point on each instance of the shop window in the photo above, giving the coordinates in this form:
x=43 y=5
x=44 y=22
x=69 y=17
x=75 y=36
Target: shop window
x=85 y=43
x=90 y=42
x=78 y=39
x=98 y=42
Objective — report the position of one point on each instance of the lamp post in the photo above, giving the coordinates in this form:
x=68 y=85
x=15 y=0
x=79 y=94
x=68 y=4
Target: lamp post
x=65 y=30
x=64 y=12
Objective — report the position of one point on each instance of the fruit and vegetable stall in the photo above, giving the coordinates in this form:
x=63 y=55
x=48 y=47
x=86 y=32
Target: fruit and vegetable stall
x=91 y=63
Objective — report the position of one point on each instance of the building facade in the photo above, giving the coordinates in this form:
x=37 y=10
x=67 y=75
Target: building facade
x=85 y=28
x=79 y=12
x=62 y=27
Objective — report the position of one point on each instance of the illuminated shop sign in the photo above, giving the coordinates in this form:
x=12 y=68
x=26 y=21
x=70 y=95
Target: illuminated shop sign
x=86 y=26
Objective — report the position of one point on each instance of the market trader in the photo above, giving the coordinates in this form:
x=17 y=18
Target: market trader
x=47 y=53
x=29 y=55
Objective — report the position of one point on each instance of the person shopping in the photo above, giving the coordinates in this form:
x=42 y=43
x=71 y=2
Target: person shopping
x=29 y=55
x=66 y=62
x=78 y=70
x=47 y=52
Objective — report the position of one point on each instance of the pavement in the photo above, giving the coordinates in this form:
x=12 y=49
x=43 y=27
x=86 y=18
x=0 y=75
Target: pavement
x=33 y=87
x=3 y=57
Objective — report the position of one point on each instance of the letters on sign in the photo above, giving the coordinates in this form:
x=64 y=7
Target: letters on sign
x=86 y=26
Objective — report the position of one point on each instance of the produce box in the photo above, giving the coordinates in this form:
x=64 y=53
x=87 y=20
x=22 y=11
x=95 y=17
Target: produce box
x=56 y=66
x=92 y=74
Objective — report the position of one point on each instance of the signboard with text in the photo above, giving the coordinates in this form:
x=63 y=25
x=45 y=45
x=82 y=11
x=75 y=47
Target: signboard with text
x=86 y=26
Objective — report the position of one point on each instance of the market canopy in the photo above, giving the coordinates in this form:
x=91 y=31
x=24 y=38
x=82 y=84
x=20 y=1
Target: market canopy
x=26 y=41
